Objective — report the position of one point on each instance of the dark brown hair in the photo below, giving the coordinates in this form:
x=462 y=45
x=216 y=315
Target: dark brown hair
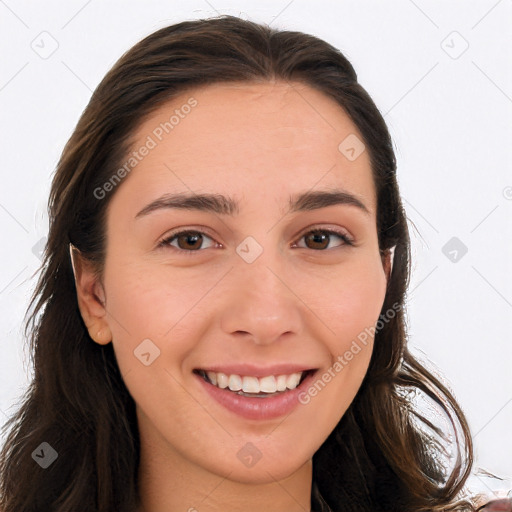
x=384 y=455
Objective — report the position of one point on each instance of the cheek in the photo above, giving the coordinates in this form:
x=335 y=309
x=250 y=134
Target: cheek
x=348 y=299
x=137 y=292
x=349 y=305
x=155 y=303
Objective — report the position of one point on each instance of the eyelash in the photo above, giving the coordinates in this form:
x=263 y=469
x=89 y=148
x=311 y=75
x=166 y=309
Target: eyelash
x=166 y=242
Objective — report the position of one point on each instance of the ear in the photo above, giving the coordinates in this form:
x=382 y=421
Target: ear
x=387 y=256
x=91 y=297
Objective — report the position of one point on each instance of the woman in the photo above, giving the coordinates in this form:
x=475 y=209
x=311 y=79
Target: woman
x=219 y=324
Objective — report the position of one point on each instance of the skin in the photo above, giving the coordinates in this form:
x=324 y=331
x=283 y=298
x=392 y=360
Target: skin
x=257 y=143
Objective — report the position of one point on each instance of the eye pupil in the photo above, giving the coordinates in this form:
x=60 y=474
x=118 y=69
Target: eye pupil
x=188 y=237
x=318 y=237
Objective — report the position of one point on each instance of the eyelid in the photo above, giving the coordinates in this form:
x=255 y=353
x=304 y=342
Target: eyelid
x=328 y=228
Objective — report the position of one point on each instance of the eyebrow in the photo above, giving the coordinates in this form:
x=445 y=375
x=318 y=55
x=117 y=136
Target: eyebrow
x=222 y=205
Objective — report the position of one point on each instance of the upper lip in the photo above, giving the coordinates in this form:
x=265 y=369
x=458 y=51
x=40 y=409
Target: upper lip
x=258 y=371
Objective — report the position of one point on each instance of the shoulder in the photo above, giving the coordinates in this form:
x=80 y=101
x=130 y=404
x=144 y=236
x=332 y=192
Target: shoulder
x=502 y=505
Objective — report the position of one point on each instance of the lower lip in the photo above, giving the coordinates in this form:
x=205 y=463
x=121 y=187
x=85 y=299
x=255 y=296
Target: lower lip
x=255 y=408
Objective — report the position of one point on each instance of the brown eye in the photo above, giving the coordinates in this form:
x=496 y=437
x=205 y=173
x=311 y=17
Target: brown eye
x=319 y=239
x=187 y=241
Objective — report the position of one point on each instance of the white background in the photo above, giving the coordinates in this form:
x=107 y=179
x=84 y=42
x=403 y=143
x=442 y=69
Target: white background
x=449 y=111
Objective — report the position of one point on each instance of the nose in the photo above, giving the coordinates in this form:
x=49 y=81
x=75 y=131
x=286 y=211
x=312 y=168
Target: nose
x=259 y=303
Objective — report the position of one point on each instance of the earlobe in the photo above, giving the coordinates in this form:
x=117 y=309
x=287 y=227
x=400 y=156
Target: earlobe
x=91 y=297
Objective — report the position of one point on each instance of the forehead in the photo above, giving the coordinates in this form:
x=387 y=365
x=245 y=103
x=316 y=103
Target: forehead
x=264 y=139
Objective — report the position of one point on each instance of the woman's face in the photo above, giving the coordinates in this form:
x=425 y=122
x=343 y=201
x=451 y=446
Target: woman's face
x=251 y=291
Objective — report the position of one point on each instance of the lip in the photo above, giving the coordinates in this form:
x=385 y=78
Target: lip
x=258 y=371
x=254 y=408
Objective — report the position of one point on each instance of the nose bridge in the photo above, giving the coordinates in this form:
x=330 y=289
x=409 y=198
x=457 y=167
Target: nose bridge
x=259 y=301
x=260 y=264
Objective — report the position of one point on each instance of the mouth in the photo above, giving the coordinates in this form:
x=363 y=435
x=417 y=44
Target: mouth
x=254 y=387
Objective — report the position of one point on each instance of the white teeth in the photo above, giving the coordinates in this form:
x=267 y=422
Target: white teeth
x=293 y=380
x=222 y=380
x=235 y=382
x=268 y=384
x=249 y=384
x=213 y=377
x=281 y=382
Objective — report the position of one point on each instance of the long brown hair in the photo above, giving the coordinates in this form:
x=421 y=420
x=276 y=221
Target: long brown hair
x=384 y=454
